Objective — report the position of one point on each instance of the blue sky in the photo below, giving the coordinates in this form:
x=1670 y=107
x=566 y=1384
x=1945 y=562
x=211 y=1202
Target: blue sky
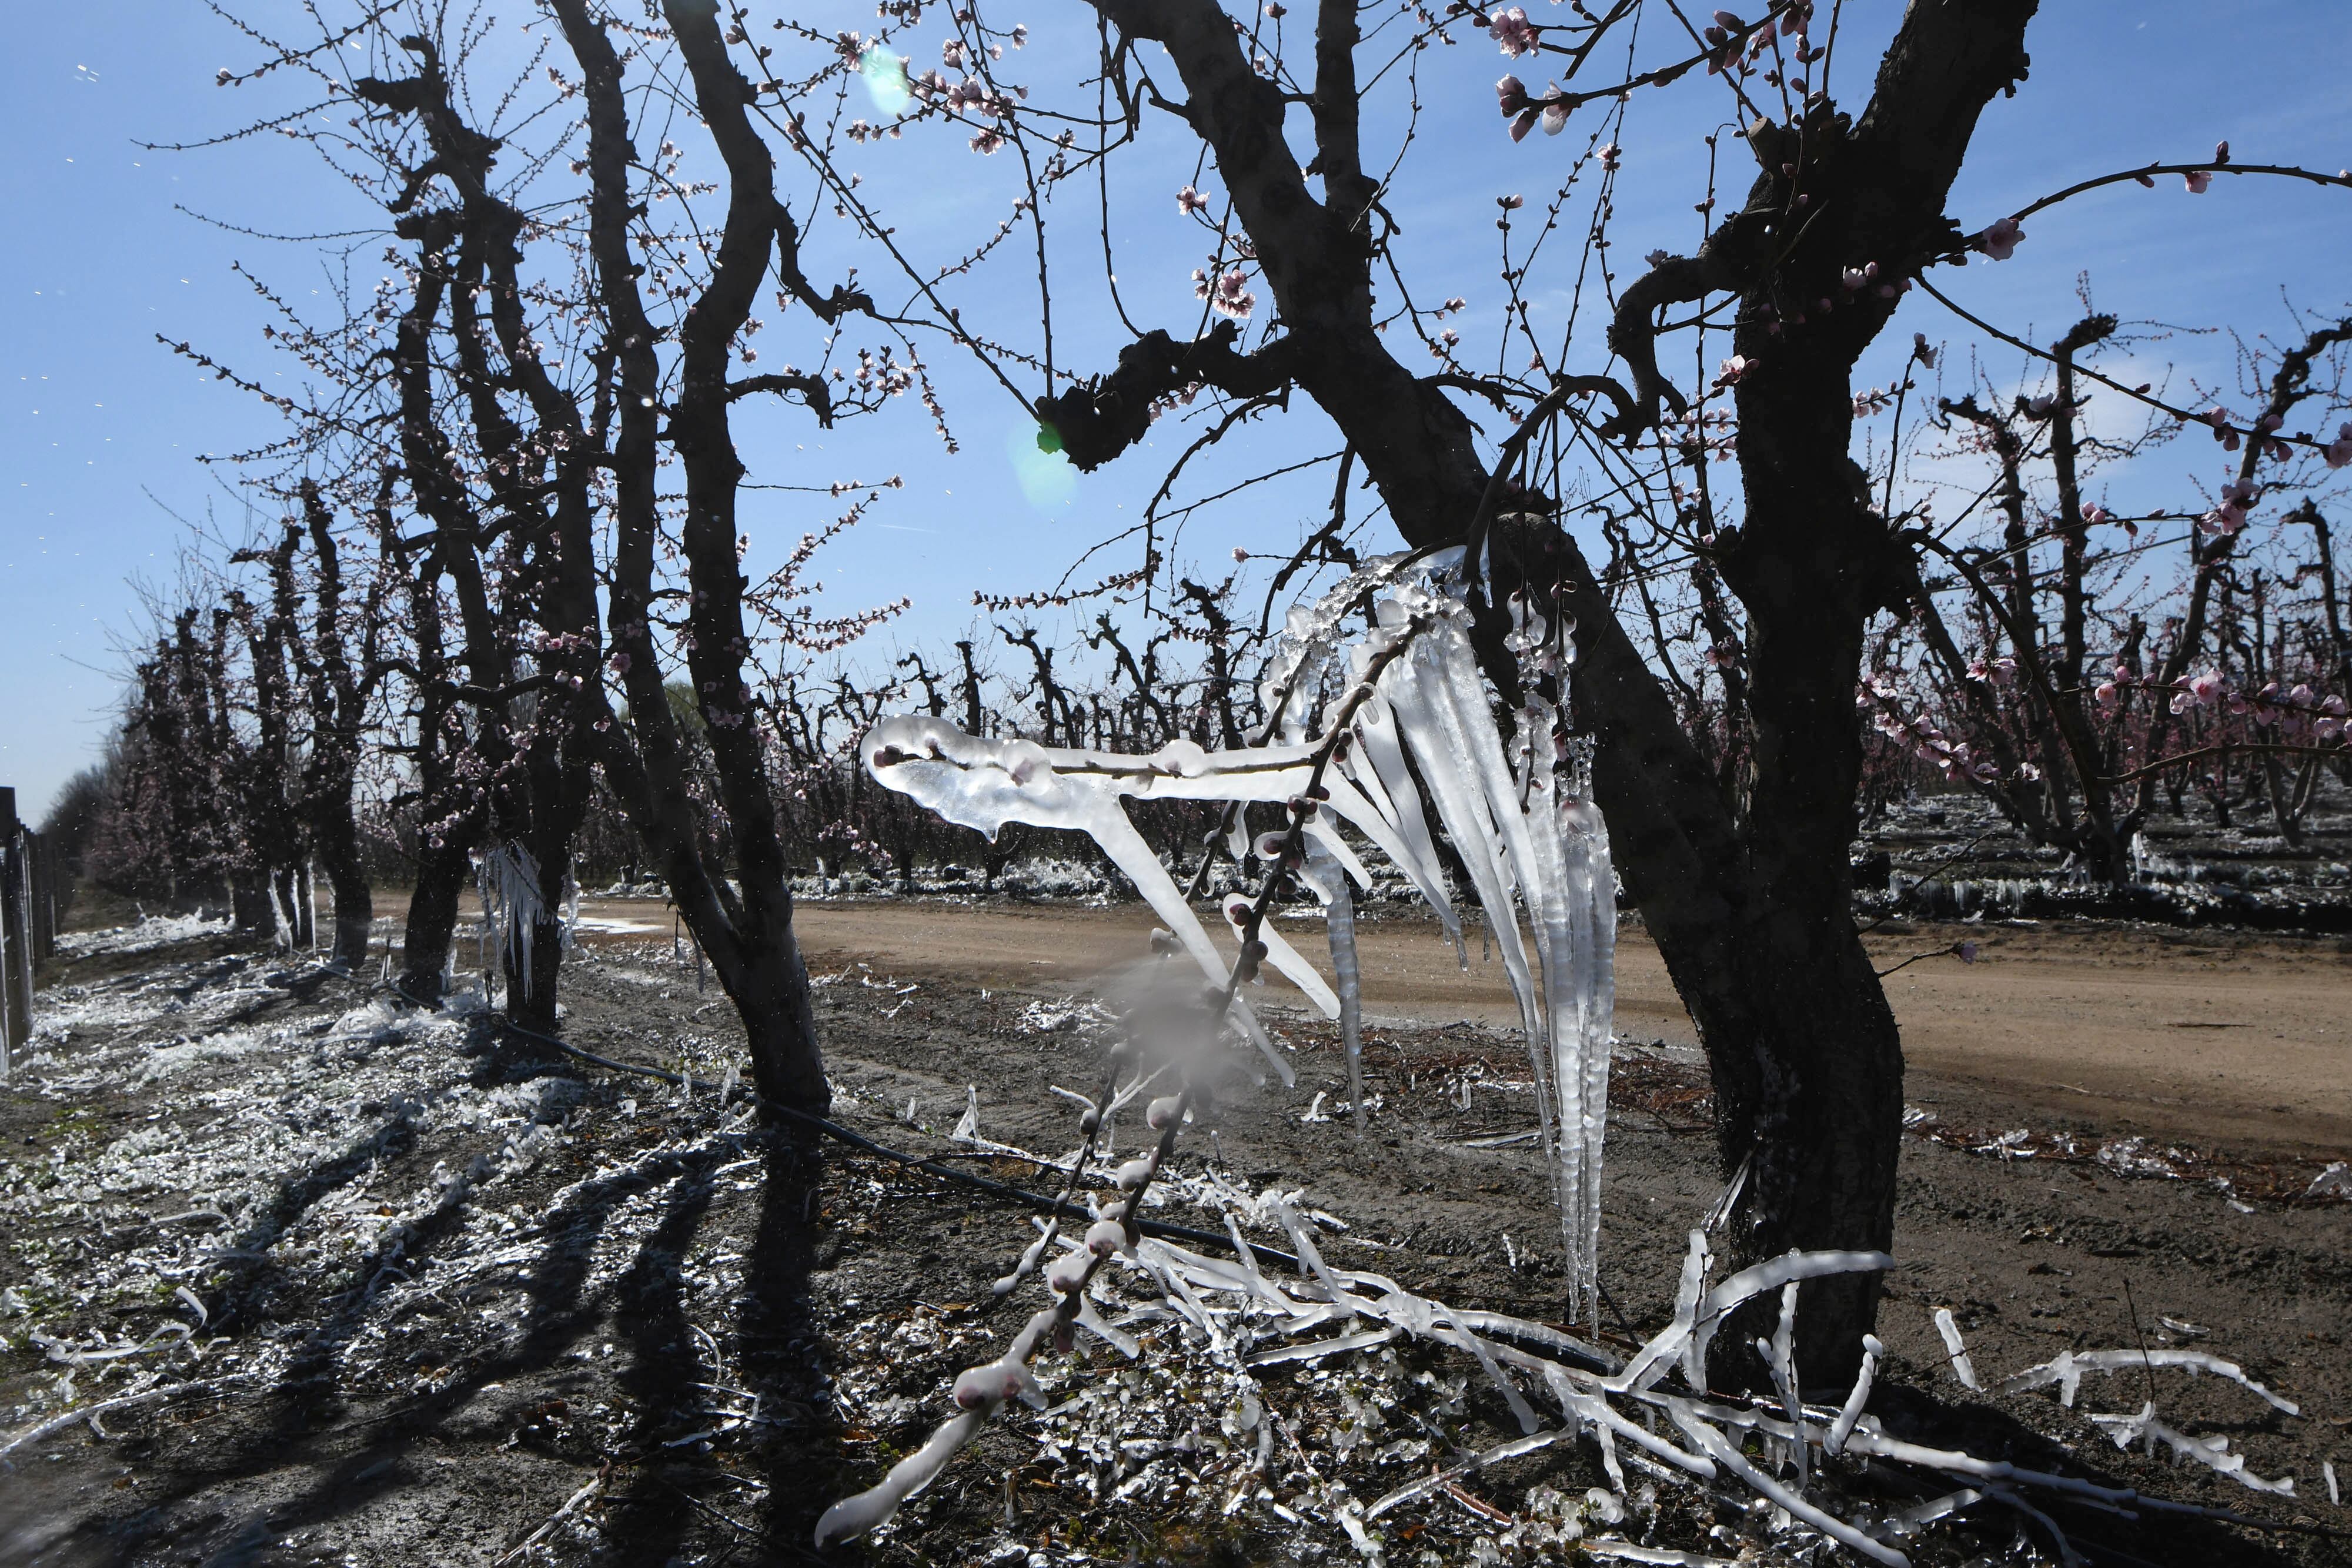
x=100 y=488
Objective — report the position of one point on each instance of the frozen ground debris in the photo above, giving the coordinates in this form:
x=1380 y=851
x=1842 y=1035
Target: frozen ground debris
x=452 y=1299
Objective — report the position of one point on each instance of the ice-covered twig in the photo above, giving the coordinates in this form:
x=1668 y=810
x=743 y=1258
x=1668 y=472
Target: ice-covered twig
x=2066 y=1370
x=1527 y=1443
x=984 y=793
x=2148 y=1430
x=42 y=1430
x=1843 y=1427
x=572 y=1505
x=1956 y=1350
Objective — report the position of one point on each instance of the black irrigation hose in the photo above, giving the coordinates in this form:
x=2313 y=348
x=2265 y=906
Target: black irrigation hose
x=1579 y=1355
x=835 y=1130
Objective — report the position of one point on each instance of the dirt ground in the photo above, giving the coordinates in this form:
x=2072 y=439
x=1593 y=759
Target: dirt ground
x=425 y=1292
x=2207 y=1036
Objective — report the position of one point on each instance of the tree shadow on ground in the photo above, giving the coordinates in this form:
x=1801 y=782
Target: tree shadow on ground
x=2101 y=1535
x=781 y=1349
x=302 y=1407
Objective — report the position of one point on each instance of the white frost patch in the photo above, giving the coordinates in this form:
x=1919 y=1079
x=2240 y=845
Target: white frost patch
x=151 y=931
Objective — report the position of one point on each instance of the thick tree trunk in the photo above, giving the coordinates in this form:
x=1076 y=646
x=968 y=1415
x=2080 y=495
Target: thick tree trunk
x=1749 y=901
x=442 y=871
x=336 y=838
x=748 y=939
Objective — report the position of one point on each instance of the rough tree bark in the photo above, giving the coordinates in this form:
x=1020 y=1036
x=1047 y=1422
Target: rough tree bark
x=337 y=689
x=1751 y=910
x=747 y=934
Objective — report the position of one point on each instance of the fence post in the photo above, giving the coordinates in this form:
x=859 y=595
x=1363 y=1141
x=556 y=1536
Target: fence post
x=15 y=935
x=45 y=911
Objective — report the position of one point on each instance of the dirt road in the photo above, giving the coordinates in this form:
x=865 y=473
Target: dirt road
x=2214 y=1038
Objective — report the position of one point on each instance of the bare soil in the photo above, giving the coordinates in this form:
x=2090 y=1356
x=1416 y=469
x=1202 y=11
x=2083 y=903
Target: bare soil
x=450 y=1282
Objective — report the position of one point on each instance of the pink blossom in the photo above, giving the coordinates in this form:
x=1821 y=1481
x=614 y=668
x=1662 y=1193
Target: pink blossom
x=1555 y=114
x=2222 y=521
x=1511 y=94
x=1229 y=296
x=1511 y=203
x=2198 y=181
x=1189 y=201
x=1997 y=671
x=1732 y=370
x=2105 y=695
x=1609 y=155
x=1514 y=32
x=2000 y=239
x=2339 y=451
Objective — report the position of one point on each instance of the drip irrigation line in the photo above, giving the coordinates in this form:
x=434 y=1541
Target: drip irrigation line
x=832 y=1129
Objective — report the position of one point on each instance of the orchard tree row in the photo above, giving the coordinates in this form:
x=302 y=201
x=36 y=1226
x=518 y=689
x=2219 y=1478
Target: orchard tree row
x=496 y=615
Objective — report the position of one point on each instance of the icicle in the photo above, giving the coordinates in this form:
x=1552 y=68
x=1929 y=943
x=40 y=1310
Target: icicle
x=1377 y=739
x=1329 y=878
x=1962 y=1367
x=507 y=880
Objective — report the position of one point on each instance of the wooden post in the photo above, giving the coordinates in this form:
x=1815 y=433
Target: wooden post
x=16 y=937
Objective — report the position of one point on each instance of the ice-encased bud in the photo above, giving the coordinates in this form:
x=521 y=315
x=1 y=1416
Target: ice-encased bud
x=1237 y=909
x=1090 y=1122
x=1162 y=1110
x=1069 y=1271
x=1130 y=1176
x=1270 y=846
x=993 y=1383
x=1106 y=1237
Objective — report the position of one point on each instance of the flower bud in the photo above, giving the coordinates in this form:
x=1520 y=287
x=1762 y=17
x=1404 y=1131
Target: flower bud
x=989 y=1385
x=1069 y=1272
x=1162 y=1110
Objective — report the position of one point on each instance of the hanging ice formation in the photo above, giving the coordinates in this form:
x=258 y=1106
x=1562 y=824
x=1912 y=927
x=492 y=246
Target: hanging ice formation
x=511 y=906
x=1530 y=840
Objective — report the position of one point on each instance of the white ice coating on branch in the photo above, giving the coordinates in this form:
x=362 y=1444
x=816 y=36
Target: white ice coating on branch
x=1962 y=1367
x=1518 y=832
x=981 y=1391
x=2066 y=1370
x=2146 y=1431
x=1700 y=1441
x=1843 y=1427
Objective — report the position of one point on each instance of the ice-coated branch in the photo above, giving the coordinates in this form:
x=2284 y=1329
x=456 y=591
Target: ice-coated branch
x=2066 y=1370
x=992 y=782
